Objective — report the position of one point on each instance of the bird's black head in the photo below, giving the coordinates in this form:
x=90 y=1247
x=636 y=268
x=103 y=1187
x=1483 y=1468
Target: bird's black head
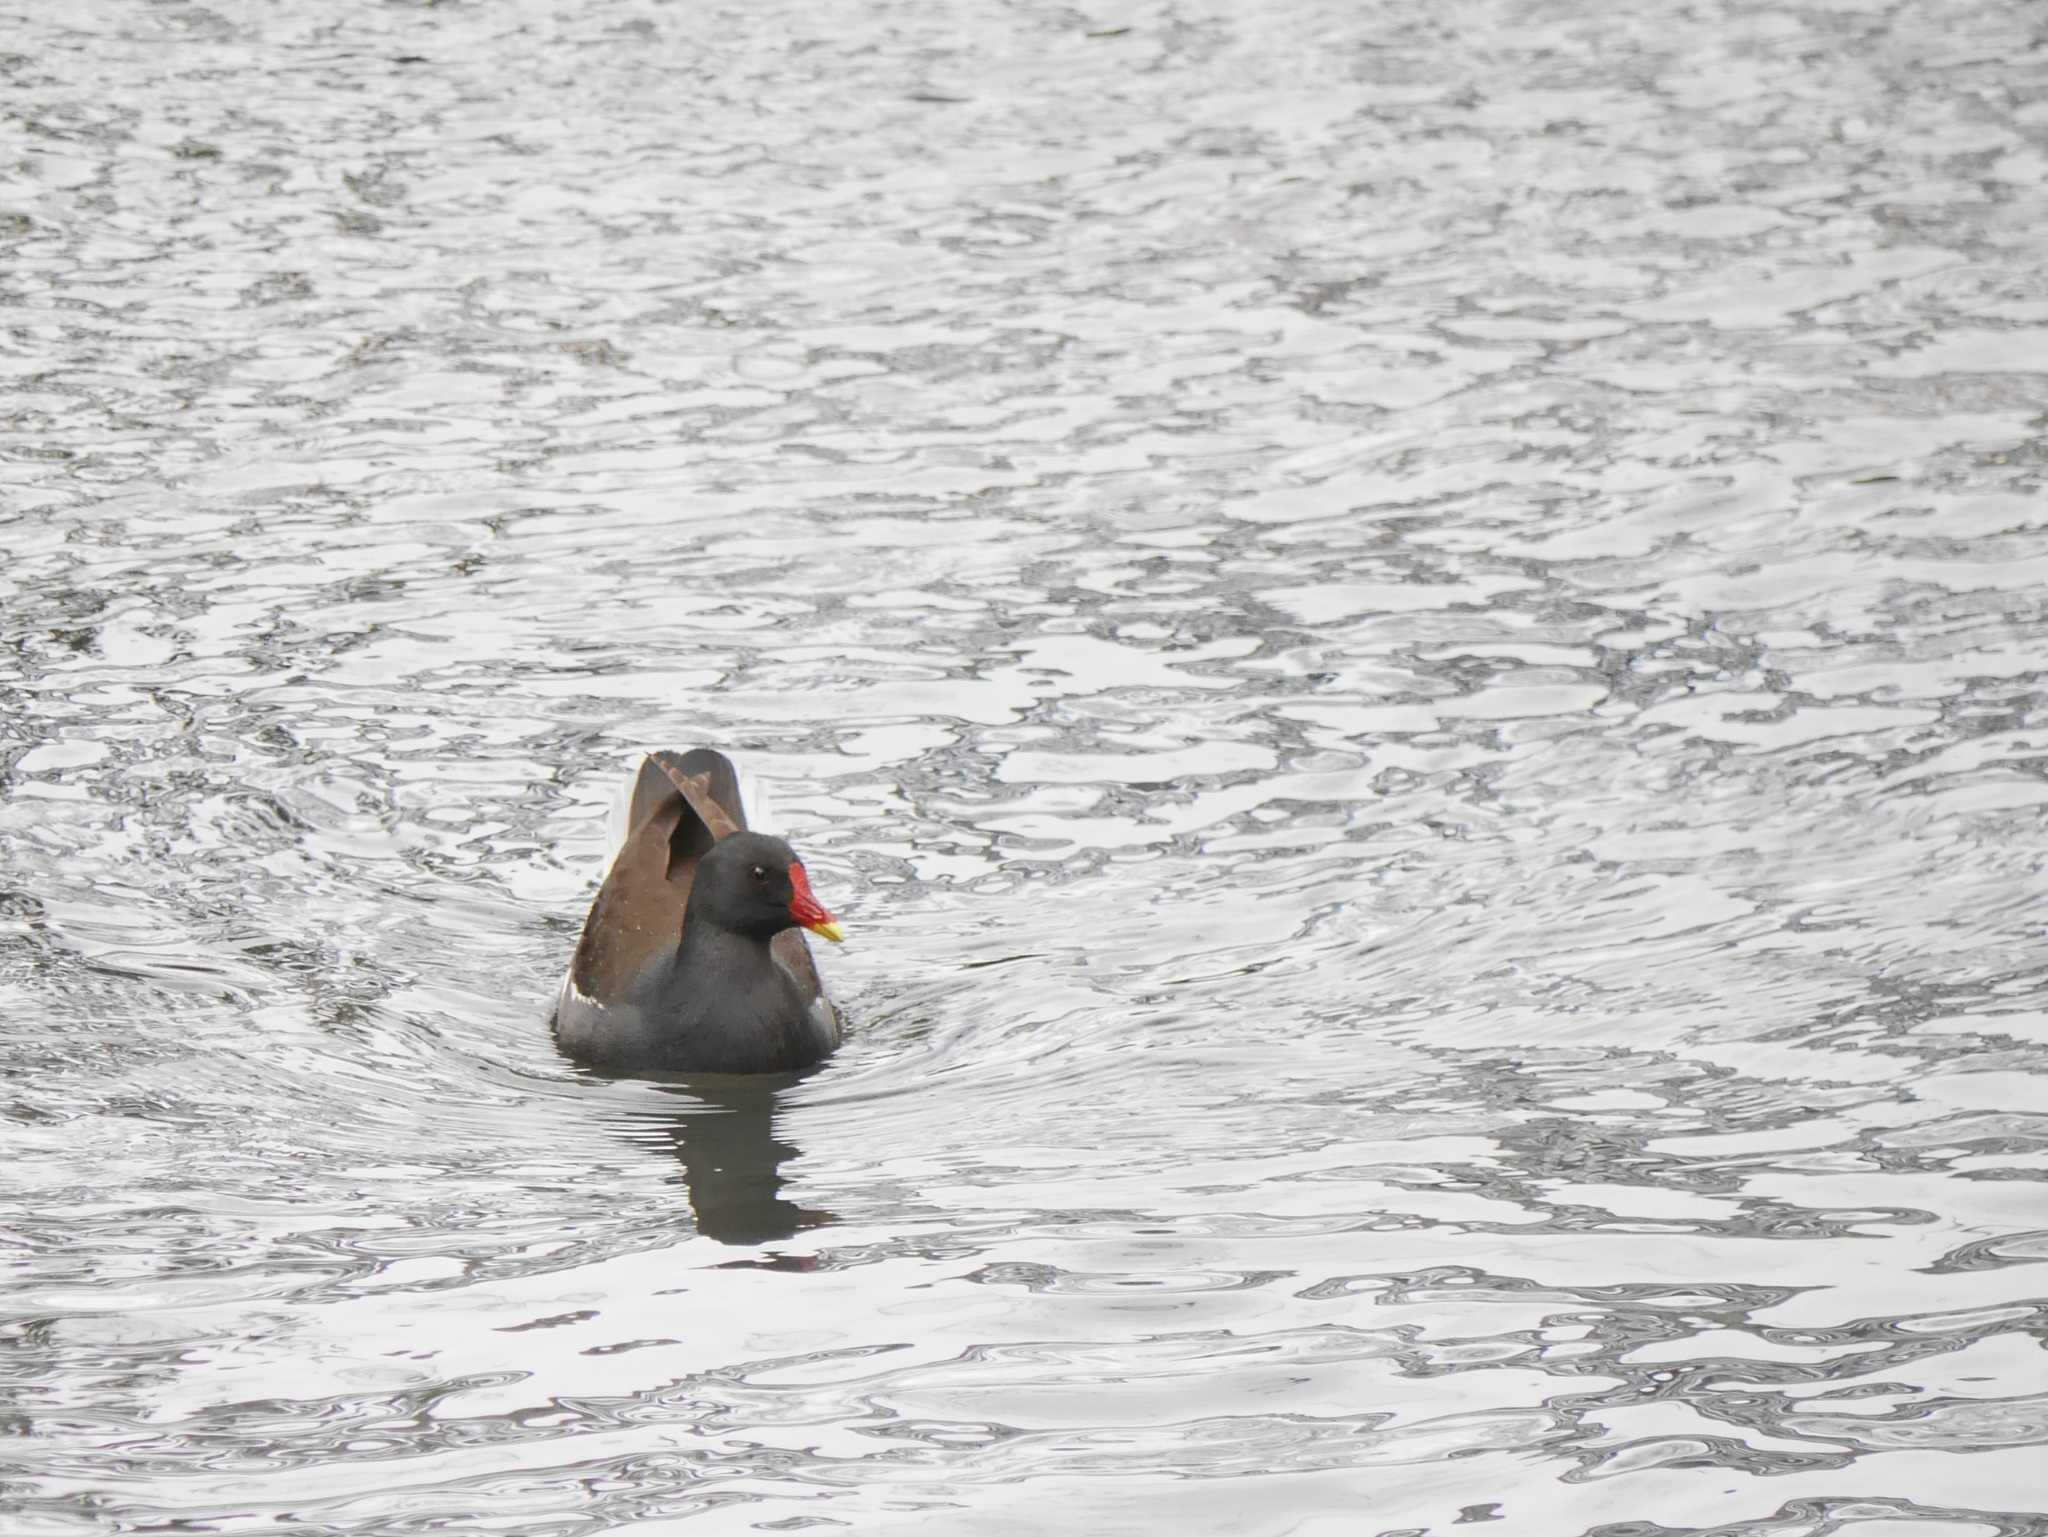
x=752 y=884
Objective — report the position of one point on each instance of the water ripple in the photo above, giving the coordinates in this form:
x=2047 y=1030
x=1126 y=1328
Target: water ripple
x=1410 y=640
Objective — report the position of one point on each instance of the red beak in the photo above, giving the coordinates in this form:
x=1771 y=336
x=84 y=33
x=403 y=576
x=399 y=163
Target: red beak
x=808 y=911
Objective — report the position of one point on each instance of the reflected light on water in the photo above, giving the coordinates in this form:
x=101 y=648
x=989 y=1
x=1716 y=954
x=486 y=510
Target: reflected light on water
x=1408 y=637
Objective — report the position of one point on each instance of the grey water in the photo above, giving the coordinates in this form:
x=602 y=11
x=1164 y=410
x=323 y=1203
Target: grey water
x=1409 y=637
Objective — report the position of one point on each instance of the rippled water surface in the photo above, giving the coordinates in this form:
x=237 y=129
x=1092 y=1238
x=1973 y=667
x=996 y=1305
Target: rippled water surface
x=1409 y=635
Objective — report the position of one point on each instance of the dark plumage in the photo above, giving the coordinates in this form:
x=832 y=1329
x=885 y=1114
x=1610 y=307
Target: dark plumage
x=691 y=960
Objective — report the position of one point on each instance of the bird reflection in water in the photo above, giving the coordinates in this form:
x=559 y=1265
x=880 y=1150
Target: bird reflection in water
x=723 y=1132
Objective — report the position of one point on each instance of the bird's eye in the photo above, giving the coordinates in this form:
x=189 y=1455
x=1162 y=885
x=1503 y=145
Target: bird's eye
x=760 y=874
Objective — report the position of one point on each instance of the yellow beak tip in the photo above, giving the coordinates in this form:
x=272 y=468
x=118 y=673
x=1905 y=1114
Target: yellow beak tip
x=831 y=931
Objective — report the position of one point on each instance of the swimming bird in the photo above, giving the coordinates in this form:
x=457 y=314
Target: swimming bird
x=692 y=959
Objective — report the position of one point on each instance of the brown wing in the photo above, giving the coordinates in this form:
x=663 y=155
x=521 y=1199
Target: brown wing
x=676 y=813
x=790 y=949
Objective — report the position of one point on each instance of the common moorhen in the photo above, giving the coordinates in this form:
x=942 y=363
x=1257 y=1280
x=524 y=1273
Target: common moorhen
x=690 y=960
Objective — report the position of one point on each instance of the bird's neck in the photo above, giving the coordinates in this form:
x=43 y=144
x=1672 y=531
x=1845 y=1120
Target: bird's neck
x=724 y=951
